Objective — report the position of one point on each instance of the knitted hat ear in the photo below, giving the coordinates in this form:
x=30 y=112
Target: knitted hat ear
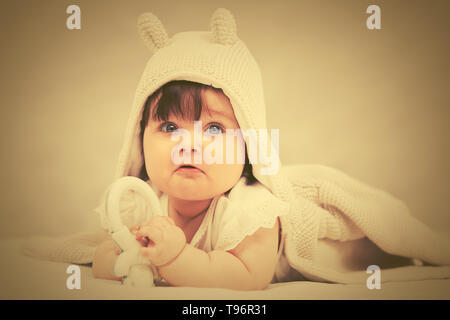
x=152 y=31
x=223 y=27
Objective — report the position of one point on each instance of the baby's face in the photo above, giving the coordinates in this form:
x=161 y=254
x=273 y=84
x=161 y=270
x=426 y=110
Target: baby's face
x=205 y=181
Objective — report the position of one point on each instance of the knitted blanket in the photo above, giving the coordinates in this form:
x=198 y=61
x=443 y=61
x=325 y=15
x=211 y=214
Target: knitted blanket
x=328 y=206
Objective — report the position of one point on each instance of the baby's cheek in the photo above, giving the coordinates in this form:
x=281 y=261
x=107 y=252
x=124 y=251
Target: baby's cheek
x=230 y=174
x=157 y=153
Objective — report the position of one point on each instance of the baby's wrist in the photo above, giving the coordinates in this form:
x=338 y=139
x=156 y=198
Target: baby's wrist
x=174 y=258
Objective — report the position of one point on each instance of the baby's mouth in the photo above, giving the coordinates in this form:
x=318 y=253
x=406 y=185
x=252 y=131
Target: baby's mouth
x=189 y=169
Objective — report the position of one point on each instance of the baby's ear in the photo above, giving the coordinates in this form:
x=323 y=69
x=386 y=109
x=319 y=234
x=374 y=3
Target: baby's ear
x=152 y=31
x=223 y=27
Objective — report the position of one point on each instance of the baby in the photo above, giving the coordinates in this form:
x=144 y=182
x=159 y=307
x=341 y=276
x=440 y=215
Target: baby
x=221 y=225
x=229 y=217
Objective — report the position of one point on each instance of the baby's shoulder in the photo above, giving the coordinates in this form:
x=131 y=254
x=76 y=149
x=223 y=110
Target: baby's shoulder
x=245 y=209
x=243 y=192
x=249 y=200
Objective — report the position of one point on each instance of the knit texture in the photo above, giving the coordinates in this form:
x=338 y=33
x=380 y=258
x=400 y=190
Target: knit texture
x=77 y=248
x=152 y=31
x=330 y=204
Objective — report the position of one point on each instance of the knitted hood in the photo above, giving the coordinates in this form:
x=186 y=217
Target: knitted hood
x=217 y=58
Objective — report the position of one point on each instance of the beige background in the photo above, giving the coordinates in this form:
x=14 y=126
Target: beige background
x=374 y=104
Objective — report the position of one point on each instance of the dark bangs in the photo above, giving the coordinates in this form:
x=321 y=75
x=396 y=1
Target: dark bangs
x=180 y=98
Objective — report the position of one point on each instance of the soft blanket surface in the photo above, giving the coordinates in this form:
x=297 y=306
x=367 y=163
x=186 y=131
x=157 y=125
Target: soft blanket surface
x=23 y=277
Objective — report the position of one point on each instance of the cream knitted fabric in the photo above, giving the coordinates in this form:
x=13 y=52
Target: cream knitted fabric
x=77 y=248
x=330 y=204
x=324 y=203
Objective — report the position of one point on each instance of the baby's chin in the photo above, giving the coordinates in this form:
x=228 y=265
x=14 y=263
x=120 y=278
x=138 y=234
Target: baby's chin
x=192 y=194
x=193 y=191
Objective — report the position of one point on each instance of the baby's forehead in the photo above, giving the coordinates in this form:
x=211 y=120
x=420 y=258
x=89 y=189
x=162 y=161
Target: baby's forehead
x=217 y=104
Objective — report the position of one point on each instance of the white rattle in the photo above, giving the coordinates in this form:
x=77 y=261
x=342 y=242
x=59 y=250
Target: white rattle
x=135 y=269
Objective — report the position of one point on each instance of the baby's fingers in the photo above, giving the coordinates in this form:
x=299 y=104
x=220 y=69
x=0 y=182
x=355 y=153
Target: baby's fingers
x=134 y=230
x=153 y=233
x=150 y=252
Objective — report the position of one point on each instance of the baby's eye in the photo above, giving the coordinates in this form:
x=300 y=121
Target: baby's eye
x=168 y=127
x=214 y=129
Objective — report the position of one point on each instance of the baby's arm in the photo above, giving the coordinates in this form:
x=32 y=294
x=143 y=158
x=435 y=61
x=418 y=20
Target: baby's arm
x=105 y=256
x=249 y=266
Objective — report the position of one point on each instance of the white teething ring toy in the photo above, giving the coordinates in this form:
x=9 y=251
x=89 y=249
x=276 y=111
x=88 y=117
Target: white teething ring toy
x=129 y=263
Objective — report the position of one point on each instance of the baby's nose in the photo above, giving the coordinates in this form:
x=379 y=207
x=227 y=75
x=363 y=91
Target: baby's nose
x=195 y=148
x=190 y=149
x=189 y=157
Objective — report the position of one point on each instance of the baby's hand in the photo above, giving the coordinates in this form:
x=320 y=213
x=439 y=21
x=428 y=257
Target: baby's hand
x=162 y=240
